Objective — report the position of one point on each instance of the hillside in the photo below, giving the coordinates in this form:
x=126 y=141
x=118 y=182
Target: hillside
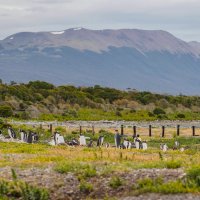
x=44 y=101
x=127 y=58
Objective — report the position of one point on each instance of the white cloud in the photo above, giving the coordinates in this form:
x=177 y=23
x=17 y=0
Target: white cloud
x=176 y=16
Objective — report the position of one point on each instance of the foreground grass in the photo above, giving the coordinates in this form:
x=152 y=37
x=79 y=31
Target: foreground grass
x=88 y=163
x=25 y=155
x=17 y=189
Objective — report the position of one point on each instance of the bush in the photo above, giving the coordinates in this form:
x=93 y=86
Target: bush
x=6 y=111
x=158 y=186
x=86 y=187
x=158 y=111
x=194 y=175
x=118 y=113
x=115 y=182
x=173 y=164
x=65 y=167
x=84 y=171
x=22 y=190
x=180 y=116
x=89 y=172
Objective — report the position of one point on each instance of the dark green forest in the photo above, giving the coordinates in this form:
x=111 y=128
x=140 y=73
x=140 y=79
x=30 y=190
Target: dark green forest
x=44 y=101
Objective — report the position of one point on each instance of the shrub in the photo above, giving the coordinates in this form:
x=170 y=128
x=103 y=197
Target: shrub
x=115 y=182
x=118 y=113
x=86 y=187
x=193 y=174
x=6 y=111
x=65 y=167
x=89 y=172
x=173 y=164
x=158 y=111
x=84 y=171
x=22 y=190
x=180 y=115
x=158 y=186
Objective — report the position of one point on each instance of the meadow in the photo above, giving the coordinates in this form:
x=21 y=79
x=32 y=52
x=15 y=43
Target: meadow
x=41 y=171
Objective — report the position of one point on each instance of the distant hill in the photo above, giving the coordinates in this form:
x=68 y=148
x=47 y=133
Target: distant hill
x=128 y=58
x=44 y=101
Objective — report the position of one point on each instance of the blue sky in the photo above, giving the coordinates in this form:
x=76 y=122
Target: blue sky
x=180 y=17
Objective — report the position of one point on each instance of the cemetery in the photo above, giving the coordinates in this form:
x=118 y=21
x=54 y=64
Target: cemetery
x=111 y=160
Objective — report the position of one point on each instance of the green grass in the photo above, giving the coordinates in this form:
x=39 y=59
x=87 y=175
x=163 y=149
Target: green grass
x=173 y=164
x=184 y=141
x=115 y=182
x=159 y=186
x=191 y=183
x=17 y=189
x=86 y=187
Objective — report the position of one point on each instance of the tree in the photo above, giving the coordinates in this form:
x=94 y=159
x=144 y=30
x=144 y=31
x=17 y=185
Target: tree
x=158 y=111
x=40 y=85
x=13 y=83
x=6 y=111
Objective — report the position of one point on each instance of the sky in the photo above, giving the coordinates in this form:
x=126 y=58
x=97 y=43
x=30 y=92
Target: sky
x=179 y=17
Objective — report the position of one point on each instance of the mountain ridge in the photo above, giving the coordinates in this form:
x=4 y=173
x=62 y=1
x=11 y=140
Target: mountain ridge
x=86 y=39
x=152 y=60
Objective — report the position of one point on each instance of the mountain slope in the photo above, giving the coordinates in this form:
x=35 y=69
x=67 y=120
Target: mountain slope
x=145 y=60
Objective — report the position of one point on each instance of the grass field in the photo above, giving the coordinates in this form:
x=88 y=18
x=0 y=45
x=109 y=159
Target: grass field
x=115 y=168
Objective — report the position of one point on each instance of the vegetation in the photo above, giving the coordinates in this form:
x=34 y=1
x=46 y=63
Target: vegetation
x=86 y=187
x=115 y=182
x=44 y=101
x=113 y=168
x=190 y=184
x=17 y=189
x=159 y=186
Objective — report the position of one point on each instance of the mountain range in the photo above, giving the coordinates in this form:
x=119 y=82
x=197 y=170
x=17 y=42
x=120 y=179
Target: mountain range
x=150 y=60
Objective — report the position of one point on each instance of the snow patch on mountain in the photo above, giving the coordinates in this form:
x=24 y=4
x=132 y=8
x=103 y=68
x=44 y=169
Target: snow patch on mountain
x=57 y=32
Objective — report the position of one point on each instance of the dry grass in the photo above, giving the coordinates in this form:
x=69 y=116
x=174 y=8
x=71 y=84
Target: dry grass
x=39 y=155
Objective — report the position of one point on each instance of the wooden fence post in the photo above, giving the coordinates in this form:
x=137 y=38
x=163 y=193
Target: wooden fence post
x=134 y=131
x=163 y=131
x=122 y=129
x=93 y=132
x=178 y=130
x=80 y=129
x=193 y=130
x=150 y=133
x=51 y=128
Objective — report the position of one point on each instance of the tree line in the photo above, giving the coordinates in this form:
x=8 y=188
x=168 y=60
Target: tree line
x=39 y=97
